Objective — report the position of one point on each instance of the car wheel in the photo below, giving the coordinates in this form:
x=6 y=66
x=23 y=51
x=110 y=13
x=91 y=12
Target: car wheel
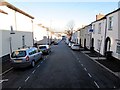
x=33 y=63
x=47 y=52
x=42 y=57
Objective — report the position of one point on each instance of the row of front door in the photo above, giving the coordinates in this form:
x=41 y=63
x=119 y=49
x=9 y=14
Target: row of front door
x=107 y=44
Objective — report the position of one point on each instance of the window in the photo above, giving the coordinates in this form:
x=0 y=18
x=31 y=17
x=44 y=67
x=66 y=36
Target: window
x=98 y=42
x=118 y=48
x=30 y=53
x=17 y=54
x=99 y=28
x=42 y=47
x=110 y=23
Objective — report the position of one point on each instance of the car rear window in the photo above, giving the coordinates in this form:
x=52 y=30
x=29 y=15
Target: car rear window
x=42 y=47
x=76 y=45
x=17 y=54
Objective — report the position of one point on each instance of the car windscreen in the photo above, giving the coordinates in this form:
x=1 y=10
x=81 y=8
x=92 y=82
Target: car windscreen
x=17 y=54
x=42 y=47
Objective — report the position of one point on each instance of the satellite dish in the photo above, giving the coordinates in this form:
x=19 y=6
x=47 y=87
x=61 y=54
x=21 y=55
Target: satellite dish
x=11 y=32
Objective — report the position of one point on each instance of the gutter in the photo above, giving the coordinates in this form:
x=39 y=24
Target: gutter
x=15 y=9
x=1 y=11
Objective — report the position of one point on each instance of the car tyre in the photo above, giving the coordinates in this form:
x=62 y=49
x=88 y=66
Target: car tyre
x=33 y=63
x=42 y=57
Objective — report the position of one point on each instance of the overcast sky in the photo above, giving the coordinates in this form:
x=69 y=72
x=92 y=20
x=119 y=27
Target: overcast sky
x=57 y=14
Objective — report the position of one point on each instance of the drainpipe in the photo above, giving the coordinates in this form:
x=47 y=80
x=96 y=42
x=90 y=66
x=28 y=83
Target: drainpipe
x=15 y=21
x=32 y=32
x=105 y=34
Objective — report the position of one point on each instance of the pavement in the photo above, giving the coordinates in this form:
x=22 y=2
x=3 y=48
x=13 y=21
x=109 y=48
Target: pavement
x=112 y=64
x=6 y=65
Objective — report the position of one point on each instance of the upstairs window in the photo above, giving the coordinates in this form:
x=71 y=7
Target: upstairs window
x=118 y=48
x=110 y=23
x=99 y=28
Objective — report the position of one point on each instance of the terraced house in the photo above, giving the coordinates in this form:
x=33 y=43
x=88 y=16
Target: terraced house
x=16 y=29
x=85 y=36
x=103 y=35
x=112 y=39
x=98 y=35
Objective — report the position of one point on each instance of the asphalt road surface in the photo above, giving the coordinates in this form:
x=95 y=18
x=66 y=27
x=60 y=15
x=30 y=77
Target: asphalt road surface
x=62 y=68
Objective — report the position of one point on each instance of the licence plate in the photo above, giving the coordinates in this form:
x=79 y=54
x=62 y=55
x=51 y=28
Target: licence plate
x=18 y=61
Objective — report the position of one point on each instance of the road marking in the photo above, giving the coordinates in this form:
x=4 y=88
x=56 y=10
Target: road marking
x=3 y=80
x=38 y=66
x=27 y=79
x=82 y=64
x=19 y=88
x=33 y=72
x=85 y=69
x=101 y=65
x=89 y=75
x=77 y=58
x=79 y=61
x=96 y=84
x=6 y=71
x=42 y=62
x=114 y=87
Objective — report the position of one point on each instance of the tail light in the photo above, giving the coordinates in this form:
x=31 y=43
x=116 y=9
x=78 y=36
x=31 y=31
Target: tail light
x=27 y=58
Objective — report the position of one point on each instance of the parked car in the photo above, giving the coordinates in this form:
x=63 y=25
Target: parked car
x=55 y=43
x=75 y=47
x=25 y=57
x=70 y=44
x=45 y=49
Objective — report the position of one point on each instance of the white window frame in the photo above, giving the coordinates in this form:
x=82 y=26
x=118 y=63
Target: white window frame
x=99 y=28
x=118 y=48
x=110 y=23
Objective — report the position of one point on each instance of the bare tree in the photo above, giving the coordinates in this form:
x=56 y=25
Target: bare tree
x=69 y=28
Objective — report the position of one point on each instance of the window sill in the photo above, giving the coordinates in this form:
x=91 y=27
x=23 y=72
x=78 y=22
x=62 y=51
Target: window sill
x=110 y=29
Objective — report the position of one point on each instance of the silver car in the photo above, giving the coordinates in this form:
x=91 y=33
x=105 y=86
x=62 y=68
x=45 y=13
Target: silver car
x=75 y=47
x=45 y=49
x=25 y=57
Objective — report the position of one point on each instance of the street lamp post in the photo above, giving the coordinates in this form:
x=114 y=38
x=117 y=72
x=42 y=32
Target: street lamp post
x=47 y=35
x=11 y=32
x=32 y=32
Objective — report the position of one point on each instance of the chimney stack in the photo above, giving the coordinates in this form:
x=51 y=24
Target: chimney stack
x=99 y=16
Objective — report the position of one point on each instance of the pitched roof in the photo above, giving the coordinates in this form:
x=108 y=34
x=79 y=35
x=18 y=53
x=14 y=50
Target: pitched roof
x=113 y=12
x=1 y=11
x=107 y=15
x=15 y=8
x=99 y=19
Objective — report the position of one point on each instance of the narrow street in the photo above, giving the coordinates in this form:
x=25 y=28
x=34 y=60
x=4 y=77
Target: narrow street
x=62 y=68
